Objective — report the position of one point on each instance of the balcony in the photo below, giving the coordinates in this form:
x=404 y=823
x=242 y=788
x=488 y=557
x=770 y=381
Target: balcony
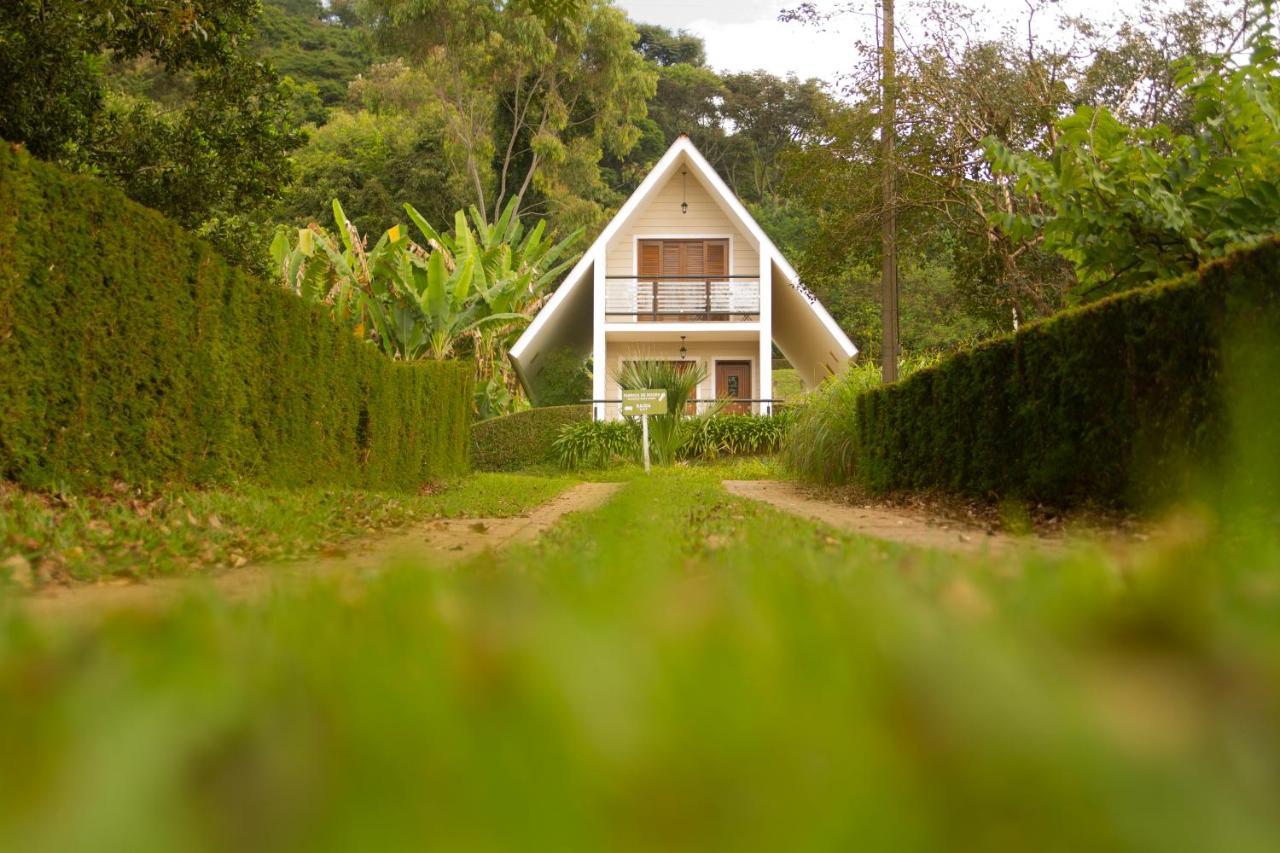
x=732 y=298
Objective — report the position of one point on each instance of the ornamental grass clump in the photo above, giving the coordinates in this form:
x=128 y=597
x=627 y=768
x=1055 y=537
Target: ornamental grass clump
x=821 y=446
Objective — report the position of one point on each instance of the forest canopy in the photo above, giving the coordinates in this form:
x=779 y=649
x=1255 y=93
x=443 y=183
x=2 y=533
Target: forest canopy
x=235 y=116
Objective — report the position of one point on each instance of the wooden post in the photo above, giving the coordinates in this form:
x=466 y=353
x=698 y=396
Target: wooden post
x=888 y=215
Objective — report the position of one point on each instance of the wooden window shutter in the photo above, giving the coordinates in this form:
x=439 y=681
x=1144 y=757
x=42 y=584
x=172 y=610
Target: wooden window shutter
x=672 y=258
x=717 y=258
x=695 y=256
x=650 y=258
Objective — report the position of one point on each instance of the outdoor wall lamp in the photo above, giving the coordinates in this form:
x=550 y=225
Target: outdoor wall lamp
x=683 y=349
x=684 y=196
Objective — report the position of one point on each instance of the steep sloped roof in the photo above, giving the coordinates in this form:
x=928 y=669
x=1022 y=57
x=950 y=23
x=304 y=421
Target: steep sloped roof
x=549 y=327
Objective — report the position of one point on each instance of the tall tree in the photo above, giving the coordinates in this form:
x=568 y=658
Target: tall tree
x=536 y=93
x=889 y=201
x=159 y=96
x=1128 y=205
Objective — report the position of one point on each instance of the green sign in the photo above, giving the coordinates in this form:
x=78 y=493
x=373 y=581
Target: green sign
x=647 y=402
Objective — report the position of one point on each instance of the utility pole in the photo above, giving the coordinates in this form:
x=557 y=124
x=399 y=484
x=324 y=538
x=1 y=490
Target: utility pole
x=889 y=201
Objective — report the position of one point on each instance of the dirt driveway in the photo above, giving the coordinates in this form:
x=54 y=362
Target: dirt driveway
x=894 y=525
x=438 y=542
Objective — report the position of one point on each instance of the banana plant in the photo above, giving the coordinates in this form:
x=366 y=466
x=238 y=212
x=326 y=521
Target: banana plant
x=513 y=271
x=480 y=285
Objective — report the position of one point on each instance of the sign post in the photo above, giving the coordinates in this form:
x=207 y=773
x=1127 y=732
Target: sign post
x=644 y=440
x=649 y=401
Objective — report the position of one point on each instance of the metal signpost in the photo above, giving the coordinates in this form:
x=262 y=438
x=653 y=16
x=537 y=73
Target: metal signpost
x=651 y=401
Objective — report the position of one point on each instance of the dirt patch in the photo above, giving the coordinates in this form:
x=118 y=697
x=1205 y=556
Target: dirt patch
x=438 y=543
x=884 y=522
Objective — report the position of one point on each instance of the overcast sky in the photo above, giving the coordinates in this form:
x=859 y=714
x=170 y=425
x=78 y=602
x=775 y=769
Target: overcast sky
x=743 y=35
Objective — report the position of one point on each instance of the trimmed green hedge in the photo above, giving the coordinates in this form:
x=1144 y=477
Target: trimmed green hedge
x=517 y=441
x=1109 y=403
x=131 y=352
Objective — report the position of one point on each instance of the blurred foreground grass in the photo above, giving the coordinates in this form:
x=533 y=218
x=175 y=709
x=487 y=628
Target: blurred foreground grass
x=146 y=533
x=679 y=670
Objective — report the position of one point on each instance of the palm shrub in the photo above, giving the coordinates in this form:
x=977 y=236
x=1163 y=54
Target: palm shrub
x=681 y=381
x=596 y=444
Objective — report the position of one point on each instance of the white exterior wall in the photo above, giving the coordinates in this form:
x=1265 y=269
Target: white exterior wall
x=660 y=217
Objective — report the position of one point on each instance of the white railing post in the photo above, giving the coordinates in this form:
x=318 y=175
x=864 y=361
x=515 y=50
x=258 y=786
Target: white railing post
x=598 y=365
x=765 y=297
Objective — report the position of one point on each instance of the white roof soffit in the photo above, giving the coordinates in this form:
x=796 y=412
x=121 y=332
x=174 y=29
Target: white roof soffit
x=579 y=272
x=683 y=147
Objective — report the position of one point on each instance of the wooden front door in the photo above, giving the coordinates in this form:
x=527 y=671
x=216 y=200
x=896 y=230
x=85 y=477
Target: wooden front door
x=733 y=382
x=676 y=277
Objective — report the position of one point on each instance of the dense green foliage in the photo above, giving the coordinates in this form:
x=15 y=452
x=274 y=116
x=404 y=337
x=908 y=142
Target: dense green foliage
x=523 y=439
x=603 y=444
x=314 y=49
x=597 y=444
x=132 y=532
x=132 y=352
x=967 y=84
x=1128 y=204
x=161 y=97
x=734 y=435
x=534 y=95
x=822 y=446
x=234 y=115
x=1112 y=403
x=564 y=379
x=471 y=289
x=681 y=670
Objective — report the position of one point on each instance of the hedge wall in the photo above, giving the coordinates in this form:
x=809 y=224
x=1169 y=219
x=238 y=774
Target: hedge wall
x=517 y=441
x=1104 y=404
x=131 y=352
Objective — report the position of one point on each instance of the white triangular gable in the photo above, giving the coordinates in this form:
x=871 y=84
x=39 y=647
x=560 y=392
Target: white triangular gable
x=548 y=327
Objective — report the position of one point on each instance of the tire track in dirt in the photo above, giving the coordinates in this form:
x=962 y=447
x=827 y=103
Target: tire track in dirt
x=884 y=523
x=436 y=543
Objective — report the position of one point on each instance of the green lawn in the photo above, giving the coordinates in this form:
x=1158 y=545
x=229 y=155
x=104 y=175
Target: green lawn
x=787 y=384
x=135 y=534
x=679 y=670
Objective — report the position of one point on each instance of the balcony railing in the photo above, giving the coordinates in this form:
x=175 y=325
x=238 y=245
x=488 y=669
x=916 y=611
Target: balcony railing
x=677 y=298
